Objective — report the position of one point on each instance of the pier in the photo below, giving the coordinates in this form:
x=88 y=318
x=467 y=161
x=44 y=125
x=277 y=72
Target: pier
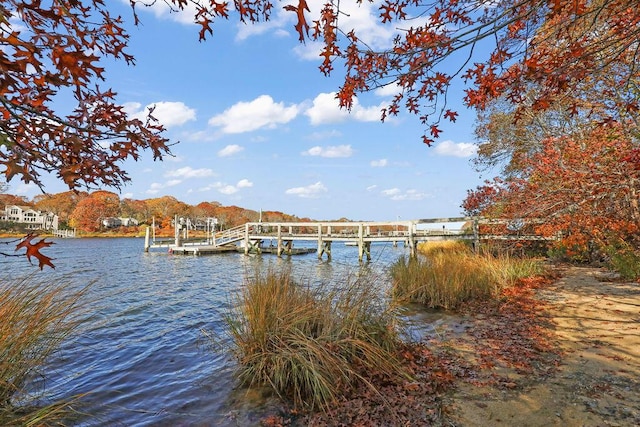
x=279 y=238
x=64 y=234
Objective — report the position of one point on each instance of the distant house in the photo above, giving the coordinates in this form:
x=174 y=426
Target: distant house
x=31 y=218
x=113 y=222
x=128 y=222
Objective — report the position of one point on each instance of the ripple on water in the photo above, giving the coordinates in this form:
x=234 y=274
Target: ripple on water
x=141 y=355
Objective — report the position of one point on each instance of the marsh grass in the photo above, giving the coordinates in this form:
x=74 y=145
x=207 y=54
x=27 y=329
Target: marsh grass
x=449 y=273
x=311 y=344
x=34 y=320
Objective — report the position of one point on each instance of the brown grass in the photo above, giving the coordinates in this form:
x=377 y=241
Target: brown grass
x=449 y=273
x=311 y=344
x=34 y=319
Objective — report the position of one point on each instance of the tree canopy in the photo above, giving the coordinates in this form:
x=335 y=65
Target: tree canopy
x=57 y=47
x=530 y=53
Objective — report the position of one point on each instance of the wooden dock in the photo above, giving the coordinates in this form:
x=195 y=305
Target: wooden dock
x=259 y=237
x=252 y=237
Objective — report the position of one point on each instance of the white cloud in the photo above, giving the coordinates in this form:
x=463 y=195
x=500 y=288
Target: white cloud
x=460 y=149
x=379 y=163
x=396 y=194
x=155 y=187
x=188 y=172
x=391 y=192
x=372 y=187
x=230 y=150
x=330 y=151
x=228 y=189
x=262 y=112
x=388 y=90
x=244 y=183
x=326 y=109
x=310 y=191
x=169 y=114
x=309 y=51
x=279 y=23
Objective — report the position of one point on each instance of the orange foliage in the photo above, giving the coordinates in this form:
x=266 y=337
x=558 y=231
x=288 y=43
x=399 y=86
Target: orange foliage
x=49 y=48
x=580 y=188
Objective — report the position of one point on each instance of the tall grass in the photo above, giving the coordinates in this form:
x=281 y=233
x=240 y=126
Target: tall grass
x=449 y=273
x=34 y=319
x=308 y=343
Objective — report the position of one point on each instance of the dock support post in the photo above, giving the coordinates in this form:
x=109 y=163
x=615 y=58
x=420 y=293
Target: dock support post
x=367 y=250
x=413 y=248
x=279 y=240
x=325 y=249
x=146 y=240
x=288 y=247
x=319 y=251
x=178 y=242
x=246 y=239
x=360 y=242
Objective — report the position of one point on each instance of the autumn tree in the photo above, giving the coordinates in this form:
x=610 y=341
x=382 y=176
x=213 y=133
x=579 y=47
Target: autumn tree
x=10 y=199
x=206 y=209
x=91 y=211
x=58 y=47
x=61 y=204
x=581 y=187
x=165 y=208
x=137 y=209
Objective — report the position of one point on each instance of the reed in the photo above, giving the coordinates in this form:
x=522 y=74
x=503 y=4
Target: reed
x=311 y=344
x=34 y=320
x=449 y=273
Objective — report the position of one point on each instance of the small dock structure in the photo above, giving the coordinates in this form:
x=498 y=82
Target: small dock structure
x=64 y=234
x=280 y=238
x=252 y=237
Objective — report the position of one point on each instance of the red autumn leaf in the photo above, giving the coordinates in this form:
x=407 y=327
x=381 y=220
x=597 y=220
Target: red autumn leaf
x=451 y=115
x=33 y=249
x=301 y=26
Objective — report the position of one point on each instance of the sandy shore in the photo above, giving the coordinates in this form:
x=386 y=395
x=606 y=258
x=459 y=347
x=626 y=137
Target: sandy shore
x=595 y=322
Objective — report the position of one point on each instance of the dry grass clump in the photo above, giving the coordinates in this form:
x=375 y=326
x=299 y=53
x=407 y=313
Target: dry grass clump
x=450 y=273
x=311 y=344
x=34 y=319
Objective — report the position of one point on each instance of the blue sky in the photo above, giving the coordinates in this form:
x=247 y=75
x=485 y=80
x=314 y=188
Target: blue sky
x=258 y=125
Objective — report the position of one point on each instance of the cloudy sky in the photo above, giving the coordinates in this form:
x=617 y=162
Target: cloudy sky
x=256 y=125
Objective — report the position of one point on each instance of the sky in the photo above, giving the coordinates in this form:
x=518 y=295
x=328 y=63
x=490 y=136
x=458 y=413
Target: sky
x=256 y=125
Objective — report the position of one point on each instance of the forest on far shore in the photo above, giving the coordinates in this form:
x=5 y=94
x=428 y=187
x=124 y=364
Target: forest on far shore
x=86 y=212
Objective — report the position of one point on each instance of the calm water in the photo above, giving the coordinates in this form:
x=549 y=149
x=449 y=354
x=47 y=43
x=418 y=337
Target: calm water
x=141 y=355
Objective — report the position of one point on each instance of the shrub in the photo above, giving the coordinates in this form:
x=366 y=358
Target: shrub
x=624 y=259
x=311 y=344
x=34 y=319
x=449 y=273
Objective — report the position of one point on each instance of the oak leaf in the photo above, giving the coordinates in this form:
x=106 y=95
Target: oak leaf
x=33 y=249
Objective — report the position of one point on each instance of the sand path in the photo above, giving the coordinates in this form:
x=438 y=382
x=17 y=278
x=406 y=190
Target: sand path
x=597 y=324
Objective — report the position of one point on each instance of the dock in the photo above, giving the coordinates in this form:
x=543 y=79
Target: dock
x=252 y=237
x=279 y=238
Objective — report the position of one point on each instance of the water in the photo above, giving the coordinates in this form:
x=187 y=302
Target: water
x=141 y=356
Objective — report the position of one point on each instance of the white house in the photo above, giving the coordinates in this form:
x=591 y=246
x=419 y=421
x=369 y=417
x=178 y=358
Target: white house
x=33 y=219
x=112 y=222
